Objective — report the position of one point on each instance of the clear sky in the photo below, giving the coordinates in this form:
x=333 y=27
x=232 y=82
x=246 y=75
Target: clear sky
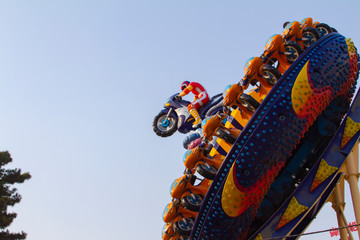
x=82 y=80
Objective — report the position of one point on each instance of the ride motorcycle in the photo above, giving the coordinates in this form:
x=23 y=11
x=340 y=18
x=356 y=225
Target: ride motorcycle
x=215 y=126
x=322 y=28
x=258 y=72
x=175 y=115
x=281 y=53
x=183 y=219
x=234 y=97
x=305 y=36
x=168 y=233
x=198 y=159
x=191 y=195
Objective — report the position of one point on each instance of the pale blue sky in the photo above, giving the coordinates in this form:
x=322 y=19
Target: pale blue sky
x=81 y=82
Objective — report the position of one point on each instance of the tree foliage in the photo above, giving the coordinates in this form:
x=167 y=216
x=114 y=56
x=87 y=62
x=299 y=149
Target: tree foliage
x=9 y=196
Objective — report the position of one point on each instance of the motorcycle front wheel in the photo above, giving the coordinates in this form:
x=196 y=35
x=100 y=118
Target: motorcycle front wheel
x=323 y=29
x=208 y=172
x=311 y=34
x=183 y=227
x=249 y=102
x=192 y=202
x=164 y=126
x=272 y=75
x=225 y=135
x=293 y=50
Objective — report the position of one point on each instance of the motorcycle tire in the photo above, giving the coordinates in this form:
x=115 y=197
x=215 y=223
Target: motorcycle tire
x=312 y=34
x=163 y=127
x=192 y=203
x=323 y=29
x=249 y=102
x=206 y=172
x=295 y=49
x=272 y=74
x=227 y=137
x=183 y=227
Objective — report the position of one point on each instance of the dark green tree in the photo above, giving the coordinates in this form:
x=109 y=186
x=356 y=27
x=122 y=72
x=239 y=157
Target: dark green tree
x=9 y=196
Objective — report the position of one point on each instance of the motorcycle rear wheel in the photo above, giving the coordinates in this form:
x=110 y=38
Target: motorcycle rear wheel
x=164 y=127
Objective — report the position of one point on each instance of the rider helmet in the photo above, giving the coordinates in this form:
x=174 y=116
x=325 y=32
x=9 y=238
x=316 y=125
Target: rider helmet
x=184 y=85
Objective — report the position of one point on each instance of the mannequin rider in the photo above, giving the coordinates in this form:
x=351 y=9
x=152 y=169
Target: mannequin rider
x=201 y=98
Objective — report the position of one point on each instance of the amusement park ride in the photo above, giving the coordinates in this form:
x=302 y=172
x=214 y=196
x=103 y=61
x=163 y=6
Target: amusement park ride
x=265 y=160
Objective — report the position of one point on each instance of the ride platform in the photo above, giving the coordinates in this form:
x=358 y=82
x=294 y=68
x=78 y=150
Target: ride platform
x=270 y=141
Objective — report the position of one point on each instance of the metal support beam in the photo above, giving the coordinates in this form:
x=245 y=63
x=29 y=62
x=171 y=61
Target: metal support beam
x=352 y=177
x=338 y=204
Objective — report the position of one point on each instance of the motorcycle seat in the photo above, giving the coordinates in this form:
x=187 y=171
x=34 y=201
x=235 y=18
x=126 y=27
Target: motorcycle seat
x=214 y=101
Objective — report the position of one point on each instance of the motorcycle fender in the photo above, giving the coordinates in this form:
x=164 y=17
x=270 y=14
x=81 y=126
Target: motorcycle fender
x=165 y=110
x=186 y=126
x=173 y=114
x=183 y=114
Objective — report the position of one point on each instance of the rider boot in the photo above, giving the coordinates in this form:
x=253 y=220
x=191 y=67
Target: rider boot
x=195 y=114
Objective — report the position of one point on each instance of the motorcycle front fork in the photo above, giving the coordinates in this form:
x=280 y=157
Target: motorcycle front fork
x=168 y=114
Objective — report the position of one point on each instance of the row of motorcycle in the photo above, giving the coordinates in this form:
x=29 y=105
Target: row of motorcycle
x=200 y=160
x=279 y=53
x=189 y=190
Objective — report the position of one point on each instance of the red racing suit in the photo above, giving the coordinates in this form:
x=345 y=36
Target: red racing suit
x=201 y=97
